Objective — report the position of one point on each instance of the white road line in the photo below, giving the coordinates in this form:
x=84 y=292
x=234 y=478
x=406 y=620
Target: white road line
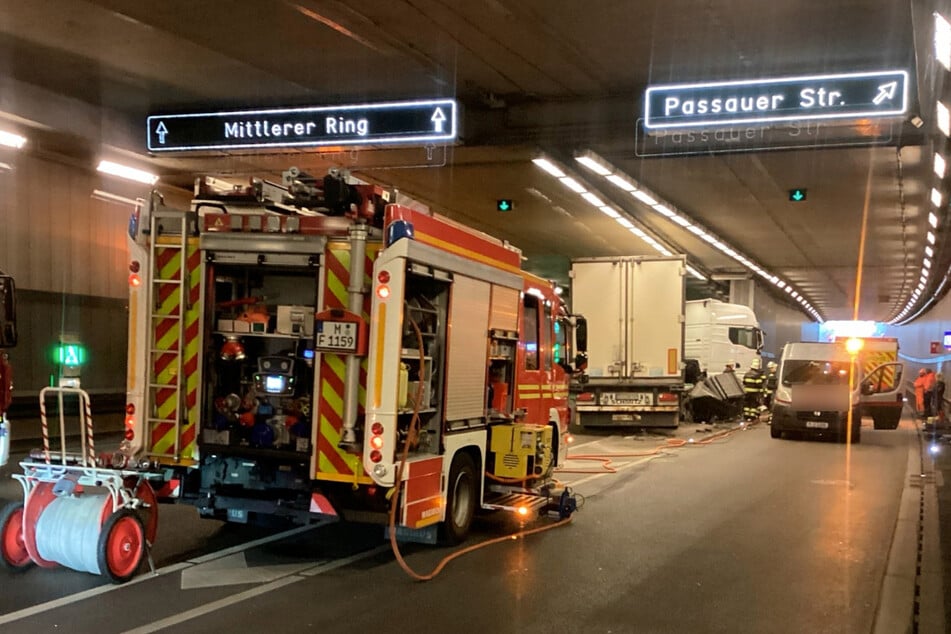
x=85 y=594
x=619 y=468
x=254 y=592
x=109 y=587
x=258 y=542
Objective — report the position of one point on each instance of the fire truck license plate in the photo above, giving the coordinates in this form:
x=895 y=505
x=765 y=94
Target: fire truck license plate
x=626 y=398
x=336 y=335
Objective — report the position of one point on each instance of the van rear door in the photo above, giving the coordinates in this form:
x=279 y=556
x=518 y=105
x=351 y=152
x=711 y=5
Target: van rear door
x=881 y=395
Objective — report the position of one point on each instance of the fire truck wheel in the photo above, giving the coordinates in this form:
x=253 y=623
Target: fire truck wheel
x=13 y=553
x=121 y=546
x=461 y=496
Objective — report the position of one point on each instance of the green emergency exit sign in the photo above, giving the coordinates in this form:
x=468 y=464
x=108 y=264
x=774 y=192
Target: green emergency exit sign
x=504 y=204
x=797 y=195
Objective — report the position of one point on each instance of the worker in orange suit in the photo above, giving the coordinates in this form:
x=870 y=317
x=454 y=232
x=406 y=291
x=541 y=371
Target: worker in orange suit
x=920 y=392
x=930 y=380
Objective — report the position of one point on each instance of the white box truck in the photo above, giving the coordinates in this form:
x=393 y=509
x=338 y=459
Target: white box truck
x=718 y=334
x=634 y=308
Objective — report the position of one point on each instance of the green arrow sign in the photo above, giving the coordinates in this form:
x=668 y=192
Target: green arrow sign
x=797 y=195
x=504 y=204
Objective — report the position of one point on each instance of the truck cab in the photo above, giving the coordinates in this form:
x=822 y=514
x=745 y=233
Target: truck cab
x=717 y=334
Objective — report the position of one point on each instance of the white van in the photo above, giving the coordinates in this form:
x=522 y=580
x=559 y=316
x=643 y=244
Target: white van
x=717 y=333
x=812 y=391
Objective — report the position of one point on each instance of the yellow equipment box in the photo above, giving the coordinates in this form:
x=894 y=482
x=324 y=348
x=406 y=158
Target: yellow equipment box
x=519 y=450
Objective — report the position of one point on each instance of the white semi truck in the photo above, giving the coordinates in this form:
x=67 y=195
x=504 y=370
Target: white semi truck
x=634 y=308
x=718 y=334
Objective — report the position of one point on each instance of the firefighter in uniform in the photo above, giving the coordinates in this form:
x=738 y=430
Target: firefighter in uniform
x=769 y=385
x=753 y=382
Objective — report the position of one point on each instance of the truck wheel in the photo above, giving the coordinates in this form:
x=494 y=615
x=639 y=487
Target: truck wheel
x=121 y=546
x=461 y=493
x=13 y=553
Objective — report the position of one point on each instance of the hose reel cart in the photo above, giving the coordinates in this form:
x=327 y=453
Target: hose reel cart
x=76 y=513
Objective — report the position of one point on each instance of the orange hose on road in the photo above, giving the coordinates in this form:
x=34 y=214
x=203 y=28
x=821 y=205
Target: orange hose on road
x=672 y=443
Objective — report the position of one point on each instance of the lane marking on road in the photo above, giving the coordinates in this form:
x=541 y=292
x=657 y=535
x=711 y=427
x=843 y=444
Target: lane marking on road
x=214 y=606
x=85 y=594
x=618 y=469
x=108 y=587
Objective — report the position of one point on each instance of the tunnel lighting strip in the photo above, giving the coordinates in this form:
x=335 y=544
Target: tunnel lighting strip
x=569 y=180
x=624 y=182
x=9 y=139
x=919 y=301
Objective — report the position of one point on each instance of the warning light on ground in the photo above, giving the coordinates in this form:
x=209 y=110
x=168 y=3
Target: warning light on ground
x=504 y=204
x=797 y=195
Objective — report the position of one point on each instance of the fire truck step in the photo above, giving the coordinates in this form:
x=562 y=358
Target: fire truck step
x=513 y=501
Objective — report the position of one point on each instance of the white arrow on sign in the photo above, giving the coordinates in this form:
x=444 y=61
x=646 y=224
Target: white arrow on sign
x=885 y=91
x=161 y=131
x=438 y=118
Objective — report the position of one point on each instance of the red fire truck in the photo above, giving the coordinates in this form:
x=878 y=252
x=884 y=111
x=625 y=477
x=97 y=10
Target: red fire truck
x=302 y=353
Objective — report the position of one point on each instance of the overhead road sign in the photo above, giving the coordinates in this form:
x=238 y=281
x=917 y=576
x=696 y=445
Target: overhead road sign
x=401 y=122
x=763 y=101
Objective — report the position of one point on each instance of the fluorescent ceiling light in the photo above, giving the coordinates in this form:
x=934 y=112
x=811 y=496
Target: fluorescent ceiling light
x=932 y=219
x=926 y=263
x=644 y=198
x=789 y=289
x=608 y=211
x=594 y=200
x=697 y=231
x=572 y=184
x=649 y=240
x=930 y=238
x=5 y=167
x=697 y=274
x=680 y=220
x=940 y=165
x=944 y=119
x=935 y=197
x=638 y=232
x=624 y=222
x=549 y=167
x=663 y=250
x=664 y=210
x=619 y=181
x=593 y=164
x=126 y=172
x=795 y=295
x=10 y=139
x=709 y=238
x=781 y=284
x=929 y=252
x=942 y=40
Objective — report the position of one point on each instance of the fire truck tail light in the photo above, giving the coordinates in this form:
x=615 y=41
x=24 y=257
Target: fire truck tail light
x=586 y=397
x=130 y=408
x=666 y=397
x=375 y=456
x=376 y=429
x=382 y=291
x=134 y=280
x=129 y=425
x=383 y=277
x=134 y=266
x=377 y=442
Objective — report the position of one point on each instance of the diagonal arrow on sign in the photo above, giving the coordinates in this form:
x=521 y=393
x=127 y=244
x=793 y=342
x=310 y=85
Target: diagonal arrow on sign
x=885 y=91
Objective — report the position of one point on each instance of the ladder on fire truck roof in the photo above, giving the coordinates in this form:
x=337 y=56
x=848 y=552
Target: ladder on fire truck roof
x=168 y=231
